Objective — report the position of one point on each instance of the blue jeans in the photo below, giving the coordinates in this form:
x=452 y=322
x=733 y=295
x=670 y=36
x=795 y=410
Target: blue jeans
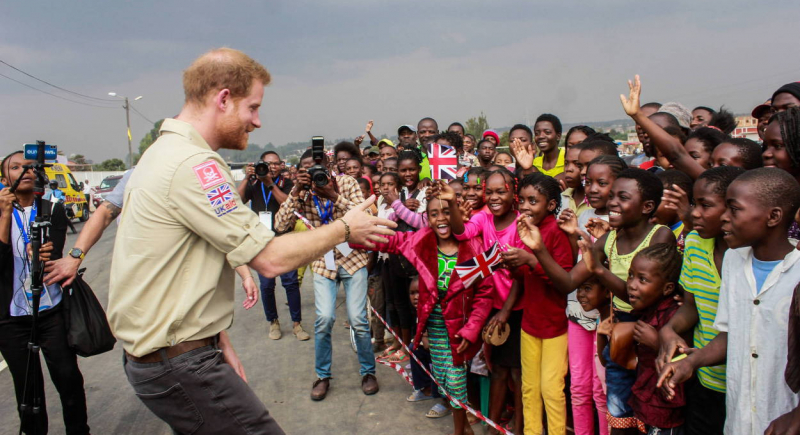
x=619 y=382
x=292 y=287
x=355 y=291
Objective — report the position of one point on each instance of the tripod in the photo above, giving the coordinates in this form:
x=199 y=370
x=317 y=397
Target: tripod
x=31 y=406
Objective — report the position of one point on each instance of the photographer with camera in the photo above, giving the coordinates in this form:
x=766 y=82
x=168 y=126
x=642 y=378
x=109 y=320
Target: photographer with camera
x=266 y=190
x=321 y=199
x=17 y=212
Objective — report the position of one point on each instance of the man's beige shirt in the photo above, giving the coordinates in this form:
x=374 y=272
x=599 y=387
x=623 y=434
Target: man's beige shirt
x=183 y=229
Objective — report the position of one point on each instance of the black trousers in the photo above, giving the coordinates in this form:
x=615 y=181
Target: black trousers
x=198 y=393
x=705 y=410
x=62 y=363
x=398 y=303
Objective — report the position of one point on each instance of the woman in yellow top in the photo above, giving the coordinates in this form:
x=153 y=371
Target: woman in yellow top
x=547 y=134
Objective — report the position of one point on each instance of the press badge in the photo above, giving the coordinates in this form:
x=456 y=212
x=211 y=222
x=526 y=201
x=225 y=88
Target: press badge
x=266 y=219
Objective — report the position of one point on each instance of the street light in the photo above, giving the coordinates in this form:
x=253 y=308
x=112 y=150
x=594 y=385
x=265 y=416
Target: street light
x=127 y=108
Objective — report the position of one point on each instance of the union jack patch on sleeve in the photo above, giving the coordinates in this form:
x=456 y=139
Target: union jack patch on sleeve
x=221 y=199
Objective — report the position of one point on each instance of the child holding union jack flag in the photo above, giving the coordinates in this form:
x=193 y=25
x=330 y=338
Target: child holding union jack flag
x=453 y=314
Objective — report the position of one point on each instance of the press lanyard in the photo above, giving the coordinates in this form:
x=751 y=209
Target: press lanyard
x=263 y=194
x=22 y=227
x=325 y=212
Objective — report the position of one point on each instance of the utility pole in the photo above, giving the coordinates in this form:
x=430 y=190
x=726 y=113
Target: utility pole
x=127 y=108
x=128 y=120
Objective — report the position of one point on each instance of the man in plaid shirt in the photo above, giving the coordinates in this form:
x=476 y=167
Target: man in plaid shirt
x=321 y=206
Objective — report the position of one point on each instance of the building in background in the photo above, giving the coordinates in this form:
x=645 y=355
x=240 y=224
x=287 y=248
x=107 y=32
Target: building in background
x=746 y=128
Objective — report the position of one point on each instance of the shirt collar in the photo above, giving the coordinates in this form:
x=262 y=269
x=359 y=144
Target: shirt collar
x=788 y=261
x=184 y=129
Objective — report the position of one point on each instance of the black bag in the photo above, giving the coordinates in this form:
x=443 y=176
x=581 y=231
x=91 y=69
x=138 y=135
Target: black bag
x=88 y=332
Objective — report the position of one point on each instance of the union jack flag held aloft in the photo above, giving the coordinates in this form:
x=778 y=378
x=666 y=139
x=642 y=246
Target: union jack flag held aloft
x=444 y=162
x=481 y=266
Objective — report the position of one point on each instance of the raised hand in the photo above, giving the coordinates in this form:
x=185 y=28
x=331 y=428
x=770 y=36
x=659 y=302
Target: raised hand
x=357 y=141
x=445 y=192
x=588 y=254
x=676 y=199
x=529 y=233
x=369 y=126
x=391 y=196
x=365 y=228
x=597 y=227
x=568 y=221
x=631 y=104
x=466 y=210
x=523 y=154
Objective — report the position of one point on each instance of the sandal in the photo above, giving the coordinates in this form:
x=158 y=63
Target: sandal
x=399 y=357
x=437 y=411
x=386 y=353
x=418 y=396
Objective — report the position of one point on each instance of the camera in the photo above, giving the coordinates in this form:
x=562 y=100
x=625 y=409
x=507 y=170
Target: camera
x=318 y=172
x=261 y=169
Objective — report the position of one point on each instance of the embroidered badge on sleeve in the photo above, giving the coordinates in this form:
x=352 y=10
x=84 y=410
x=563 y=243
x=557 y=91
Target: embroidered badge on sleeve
x=208 y=174
x=221 y=199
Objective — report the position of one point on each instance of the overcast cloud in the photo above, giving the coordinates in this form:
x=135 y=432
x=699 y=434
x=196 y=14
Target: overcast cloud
x=335 y=65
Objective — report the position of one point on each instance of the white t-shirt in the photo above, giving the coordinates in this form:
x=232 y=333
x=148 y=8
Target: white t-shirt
x=576 y=313
x=21 y=301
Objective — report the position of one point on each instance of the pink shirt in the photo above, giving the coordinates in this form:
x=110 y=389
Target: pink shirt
x=482 y=224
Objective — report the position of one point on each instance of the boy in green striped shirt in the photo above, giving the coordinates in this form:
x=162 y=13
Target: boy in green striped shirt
x=700 y=277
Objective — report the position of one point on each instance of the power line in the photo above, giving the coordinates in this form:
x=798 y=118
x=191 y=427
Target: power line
x=57 y=87
x=54 y=95
x=140 y=114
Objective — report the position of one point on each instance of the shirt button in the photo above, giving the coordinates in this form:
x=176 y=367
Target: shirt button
x=756 y=301
x=755 y=355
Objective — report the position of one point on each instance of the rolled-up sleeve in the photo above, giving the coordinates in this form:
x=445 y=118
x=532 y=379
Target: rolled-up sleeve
x=215 y=212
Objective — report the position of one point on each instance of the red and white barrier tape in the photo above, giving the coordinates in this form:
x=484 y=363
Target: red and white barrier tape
x=396 y=367
x=463 y=405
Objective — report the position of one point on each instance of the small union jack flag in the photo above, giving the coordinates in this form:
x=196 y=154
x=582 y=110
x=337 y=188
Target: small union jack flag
x=220 y=195
x=481 y=266
x=444 y=162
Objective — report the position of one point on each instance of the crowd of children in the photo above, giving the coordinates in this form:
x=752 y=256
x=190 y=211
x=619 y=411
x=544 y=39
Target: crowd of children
x=620 y=281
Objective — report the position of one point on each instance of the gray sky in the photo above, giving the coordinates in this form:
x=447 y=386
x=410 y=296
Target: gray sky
x=335 y=65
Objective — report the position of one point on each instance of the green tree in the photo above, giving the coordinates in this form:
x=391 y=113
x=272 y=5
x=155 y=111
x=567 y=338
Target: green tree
x=110 y=165
x=476 y=126
x=149 y=138
x=78 y=159
x=504 y=139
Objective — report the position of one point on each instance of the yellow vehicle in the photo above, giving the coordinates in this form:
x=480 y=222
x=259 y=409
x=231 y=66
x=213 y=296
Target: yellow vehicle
x=72 y=190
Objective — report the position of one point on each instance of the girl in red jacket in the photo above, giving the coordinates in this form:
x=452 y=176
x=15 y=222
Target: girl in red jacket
x=452 y=314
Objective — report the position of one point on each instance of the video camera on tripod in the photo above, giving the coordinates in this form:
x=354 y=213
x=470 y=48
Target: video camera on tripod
x=32 y=405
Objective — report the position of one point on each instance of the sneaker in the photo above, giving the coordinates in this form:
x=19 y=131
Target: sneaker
x=300 y=333
x=275 y=330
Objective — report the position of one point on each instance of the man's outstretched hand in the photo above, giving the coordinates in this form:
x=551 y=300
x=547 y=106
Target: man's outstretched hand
x=365 y=228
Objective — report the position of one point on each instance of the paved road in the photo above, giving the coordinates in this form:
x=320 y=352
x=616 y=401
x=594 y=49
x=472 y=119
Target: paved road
x=280 y=372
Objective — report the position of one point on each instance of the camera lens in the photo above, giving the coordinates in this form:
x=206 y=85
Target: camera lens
x=261 y=169
x=320 y=178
